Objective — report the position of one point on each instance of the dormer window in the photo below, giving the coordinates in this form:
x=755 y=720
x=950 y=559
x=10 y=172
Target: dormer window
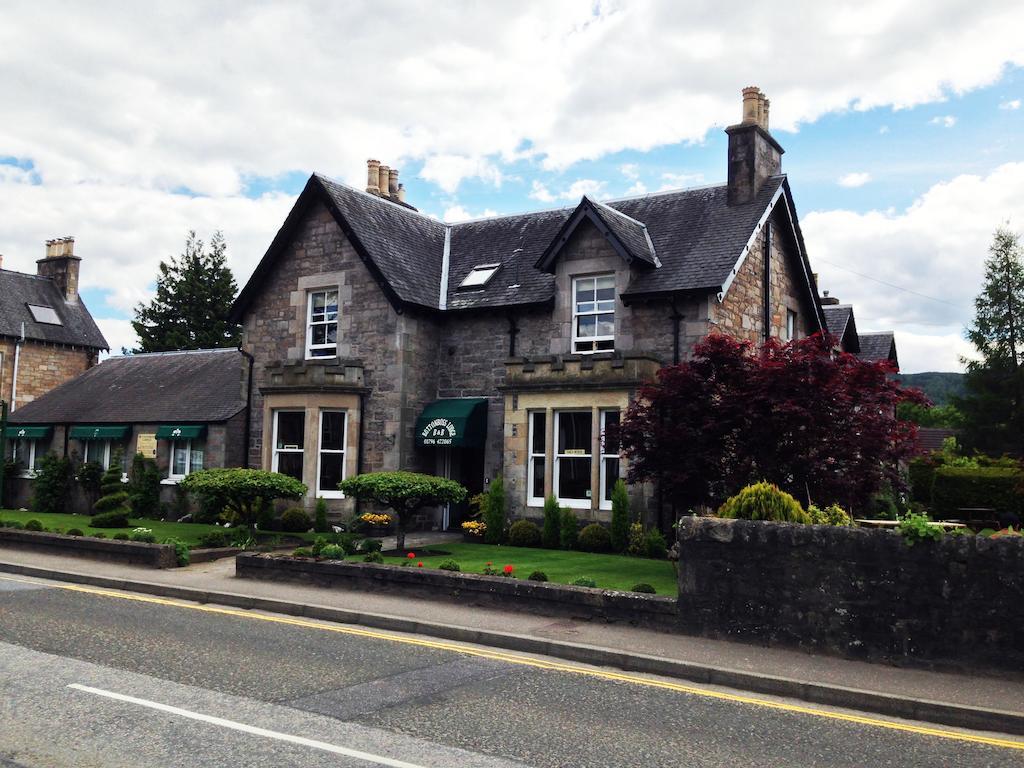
x=322 y=324
x=43 y=314
x=479 y=276
x=593 y=314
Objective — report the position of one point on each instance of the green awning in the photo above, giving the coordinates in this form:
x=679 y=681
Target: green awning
x=29 y=433
x=98 y=433
x=180 y=432
x=457 y=422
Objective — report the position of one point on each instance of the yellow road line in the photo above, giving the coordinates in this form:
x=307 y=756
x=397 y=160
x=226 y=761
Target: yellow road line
x=554 y=666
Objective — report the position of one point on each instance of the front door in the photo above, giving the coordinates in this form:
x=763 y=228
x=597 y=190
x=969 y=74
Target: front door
x=466 y=467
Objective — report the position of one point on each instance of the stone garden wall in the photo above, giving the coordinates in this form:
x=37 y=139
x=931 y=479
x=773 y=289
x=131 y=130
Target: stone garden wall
x=856 y=592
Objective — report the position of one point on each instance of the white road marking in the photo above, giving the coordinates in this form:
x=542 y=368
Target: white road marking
x=312 y=743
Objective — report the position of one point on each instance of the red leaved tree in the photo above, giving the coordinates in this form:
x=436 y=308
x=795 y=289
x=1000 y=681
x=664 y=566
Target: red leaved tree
x=821 y=425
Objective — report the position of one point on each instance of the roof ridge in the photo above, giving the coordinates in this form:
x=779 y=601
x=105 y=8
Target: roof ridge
x=661 y=192
x=379 y=198
x=512 y=215
x=172 y=352
x=616 y=211
x=26 y=274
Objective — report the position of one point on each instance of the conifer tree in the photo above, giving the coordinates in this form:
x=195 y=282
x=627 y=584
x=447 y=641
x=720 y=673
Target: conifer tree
x=113 y=494
x=194 y=293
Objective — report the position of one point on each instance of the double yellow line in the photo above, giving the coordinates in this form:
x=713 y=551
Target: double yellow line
x=553 y=666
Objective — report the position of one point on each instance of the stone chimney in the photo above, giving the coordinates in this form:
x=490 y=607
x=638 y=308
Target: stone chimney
x=384 y=180
x=754 y=155
x=393 y=183
x=373 y=177
x=61 y=265
x=828 y=301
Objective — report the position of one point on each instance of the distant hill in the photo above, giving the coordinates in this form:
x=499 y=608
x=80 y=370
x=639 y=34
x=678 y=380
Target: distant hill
x=940 y=386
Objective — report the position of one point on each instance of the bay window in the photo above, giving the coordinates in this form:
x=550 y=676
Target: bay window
x=593 y=314
x=609 y=457
x=573 y=458
x=331 y=454
x=322 y=324
x=538 y=455
x=289 y=441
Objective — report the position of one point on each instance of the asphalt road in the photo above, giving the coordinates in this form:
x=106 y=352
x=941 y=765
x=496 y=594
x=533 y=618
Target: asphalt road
x=91 y=679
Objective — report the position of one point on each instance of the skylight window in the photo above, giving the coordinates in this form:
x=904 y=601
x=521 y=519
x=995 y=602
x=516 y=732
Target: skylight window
x=44 y=314
x=479 y=276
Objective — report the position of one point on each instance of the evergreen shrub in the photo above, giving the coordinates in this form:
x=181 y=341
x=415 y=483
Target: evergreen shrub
x=551 y=534
x=595 y=538
x=524 y=533
x=764 y=501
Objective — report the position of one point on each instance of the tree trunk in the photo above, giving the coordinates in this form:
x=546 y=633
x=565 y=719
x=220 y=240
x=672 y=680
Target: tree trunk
x=400 y=536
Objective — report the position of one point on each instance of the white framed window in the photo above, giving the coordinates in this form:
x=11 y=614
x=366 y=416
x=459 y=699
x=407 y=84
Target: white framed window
x=23 y=451
x=186 y=457
x=573 y=458
x=609 y=458
x=479 y=276
x=537 y=459
x=322 y=324
x=790 y=325
x=330 y=468
x=593 y=314
x=289 y=442
x=98 y=451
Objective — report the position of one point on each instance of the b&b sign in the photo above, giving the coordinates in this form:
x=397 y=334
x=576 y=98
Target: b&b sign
x=439 y=432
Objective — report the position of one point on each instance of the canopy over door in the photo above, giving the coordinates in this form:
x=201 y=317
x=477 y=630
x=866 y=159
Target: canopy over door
x=453 y=423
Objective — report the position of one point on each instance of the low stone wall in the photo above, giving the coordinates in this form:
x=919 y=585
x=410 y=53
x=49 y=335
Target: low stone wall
x=861 y=593
x=466 y=588
x=111 y=550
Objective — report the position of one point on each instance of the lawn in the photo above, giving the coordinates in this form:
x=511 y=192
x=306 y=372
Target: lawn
x=187 y=532
x=609 y=571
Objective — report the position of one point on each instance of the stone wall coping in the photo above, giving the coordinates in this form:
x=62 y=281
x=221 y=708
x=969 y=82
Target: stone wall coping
x=137 y=552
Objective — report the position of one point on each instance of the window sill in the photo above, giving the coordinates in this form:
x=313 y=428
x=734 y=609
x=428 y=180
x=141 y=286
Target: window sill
x=30 y=475
x=329 y=495
x=171 y=480
x=576 y=503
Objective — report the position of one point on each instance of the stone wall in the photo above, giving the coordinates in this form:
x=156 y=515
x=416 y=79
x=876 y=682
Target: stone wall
x=41 y=367
x=854 y=591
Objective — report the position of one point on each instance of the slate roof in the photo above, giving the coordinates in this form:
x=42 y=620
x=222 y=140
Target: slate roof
x=696 y=236
x=18 y=290
x=841 y=324
x=199 y=386
x=931 y=438
x=880 y=345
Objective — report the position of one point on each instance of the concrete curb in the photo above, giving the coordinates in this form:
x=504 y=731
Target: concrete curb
x=956 y=715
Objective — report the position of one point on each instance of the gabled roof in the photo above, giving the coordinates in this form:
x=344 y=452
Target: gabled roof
x=198 y=386
x=18 y=290
x=880 y=345
x=692 y=236
x=841 y=324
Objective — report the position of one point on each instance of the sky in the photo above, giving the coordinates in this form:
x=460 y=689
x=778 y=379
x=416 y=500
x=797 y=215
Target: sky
x=126 y=125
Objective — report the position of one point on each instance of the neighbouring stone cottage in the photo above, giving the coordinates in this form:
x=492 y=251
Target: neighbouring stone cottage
x=186 y=410
x=385 y=339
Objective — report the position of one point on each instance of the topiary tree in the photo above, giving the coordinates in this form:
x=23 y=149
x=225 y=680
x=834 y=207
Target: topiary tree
x=404 y=493
x=620 y=517
x=494 y=512
x=550 y=537
x=764 y=501
x=113 y=495
x=244 y=492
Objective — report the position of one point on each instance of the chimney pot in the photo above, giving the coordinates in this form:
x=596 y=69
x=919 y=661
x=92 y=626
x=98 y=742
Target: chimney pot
x=400 y=194
x=754 y=156
x=393 y=182
x=373 y=177
x=751 y=104
x=61 y=265
x=383 y=180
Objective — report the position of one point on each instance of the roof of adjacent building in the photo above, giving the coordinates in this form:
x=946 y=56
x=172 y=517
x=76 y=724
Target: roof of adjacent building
x=195 y=386
x=931 y=438
x=879 y=345
x=19 y=290
x=690 y=239
x=841 y=324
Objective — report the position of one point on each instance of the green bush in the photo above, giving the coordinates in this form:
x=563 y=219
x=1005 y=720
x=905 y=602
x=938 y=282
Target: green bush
x=11 y=524
x=595 y=538
x=180 y=550
x=537 y=576
x=764 y=501
x=143 y=535
x=584 y=581
x=655 y=545
x=619 y=530
x=568 y=536
x=374 y=557
x=524 y=533
x=303 y=552
x=644 y=588
x=113 y=494
x=99 y=535
x=332 y=552
x=320 y=523
x=120 y=536
x=999 y=488
x=33 y=525
x=90 y=476
x=635 y=547
x=551 y=534
x=243 y=492
x=295 y=520
x=144 y=487
x=921 y=472
x=52 y=484
x=115 y=519
x=914 y=528
x=830 y=515
x=494 y=512
x=371 y=545
x=74 y=532
x=213 y=540
x=449 y=565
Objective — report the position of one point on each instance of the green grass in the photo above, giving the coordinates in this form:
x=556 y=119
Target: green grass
x=187 y=532
x=609 y=571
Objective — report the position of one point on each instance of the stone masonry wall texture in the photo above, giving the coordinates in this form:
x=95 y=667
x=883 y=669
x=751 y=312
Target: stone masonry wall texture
x=41 y=367
x=855 y=592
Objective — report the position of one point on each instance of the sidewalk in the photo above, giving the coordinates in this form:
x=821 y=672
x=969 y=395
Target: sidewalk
x=794 y=671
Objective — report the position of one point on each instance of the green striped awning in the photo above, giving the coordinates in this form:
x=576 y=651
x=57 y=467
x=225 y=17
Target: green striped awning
x=180 y=432
x=98 y=433
x=30 y=433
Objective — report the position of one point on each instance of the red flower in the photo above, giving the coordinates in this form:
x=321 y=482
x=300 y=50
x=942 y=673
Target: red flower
x=509 y=569
x=419 y=564
x=411 y=555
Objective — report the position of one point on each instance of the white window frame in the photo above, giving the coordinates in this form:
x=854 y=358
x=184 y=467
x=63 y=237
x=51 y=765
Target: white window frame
x=791 y=321
x=312 y=348
x=30 y=466
x=277 y=451
x=479 y=276
x=586 y=503
x=576 y=314
x=606 y=502
x=171 y=475
x=320 y=451
x=532 y=456
x=105 y=461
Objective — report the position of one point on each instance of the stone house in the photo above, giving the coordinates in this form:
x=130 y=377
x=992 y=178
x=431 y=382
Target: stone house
x=47 y=335
x=871 y=346
x=186 y=410
x=385 y=339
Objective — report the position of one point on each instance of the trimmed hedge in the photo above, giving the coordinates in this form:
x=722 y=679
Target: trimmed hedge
x=922 y=474
x=1001 y=488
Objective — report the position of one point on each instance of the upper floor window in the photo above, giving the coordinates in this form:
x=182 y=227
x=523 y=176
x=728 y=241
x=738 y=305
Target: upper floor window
x=322 y=324
x=593 y=313
x=790 y=325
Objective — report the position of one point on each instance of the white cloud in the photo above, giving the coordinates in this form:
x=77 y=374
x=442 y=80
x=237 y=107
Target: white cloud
x=638 y=188
x=630 y=170
x=883 y=129
x=946 y=121
x=448 y=171
x=1010 y=104
x=118 y=333
x=854 y=179
x=456 y=213
x=540 y=192
x=680 y=180
x=581 y=187
x=936 y=247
